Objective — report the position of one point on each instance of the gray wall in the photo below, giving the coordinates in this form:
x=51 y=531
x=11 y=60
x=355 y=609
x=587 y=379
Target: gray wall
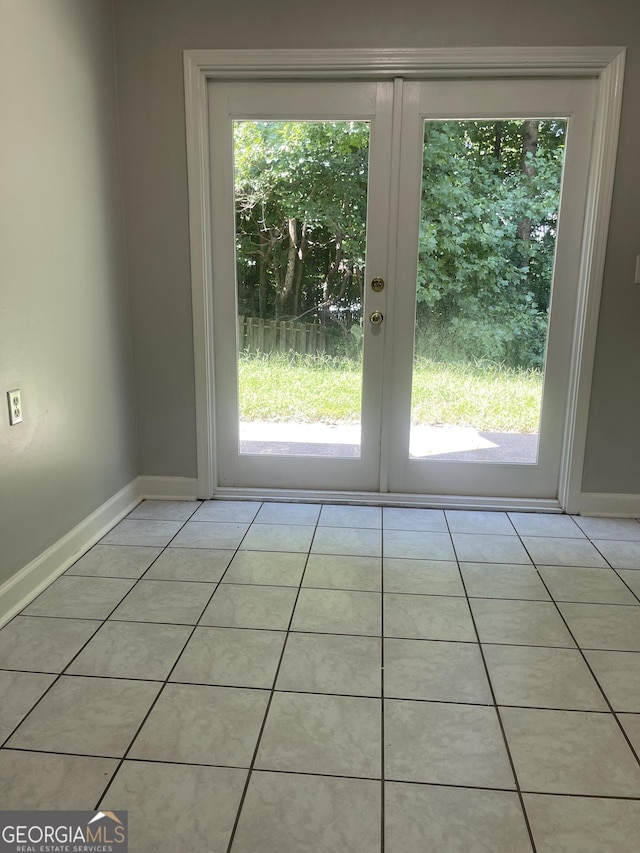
x=64 y=313
x=150 y=38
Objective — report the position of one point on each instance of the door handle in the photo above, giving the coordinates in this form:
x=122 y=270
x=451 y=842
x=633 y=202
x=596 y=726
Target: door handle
x=376 y=318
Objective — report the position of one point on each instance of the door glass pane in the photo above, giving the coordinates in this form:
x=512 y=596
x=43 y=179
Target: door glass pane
x=488 y=221
x=301 y=202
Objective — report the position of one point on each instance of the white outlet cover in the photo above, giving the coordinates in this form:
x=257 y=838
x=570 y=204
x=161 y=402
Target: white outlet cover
x=15 y=407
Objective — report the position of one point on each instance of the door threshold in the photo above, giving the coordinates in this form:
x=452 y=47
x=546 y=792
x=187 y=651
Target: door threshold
x=469 y=502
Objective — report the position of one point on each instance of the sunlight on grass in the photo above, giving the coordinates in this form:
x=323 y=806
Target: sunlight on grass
x=307 y=389
x=487 y=397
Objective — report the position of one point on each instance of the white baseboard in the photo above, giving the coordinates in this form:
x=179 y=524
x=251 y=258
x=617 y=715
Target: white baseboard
x=167 y=488
x=29 y=581
x=610 y=505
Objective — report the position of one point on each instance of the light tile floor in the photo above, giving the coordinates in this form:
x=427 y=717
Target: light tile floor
x=280 y=678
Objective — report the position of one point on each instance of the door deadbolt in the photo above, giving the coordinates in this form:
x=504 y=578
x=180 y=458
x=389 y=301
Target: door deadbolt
x=376 y=318
x=377 y=284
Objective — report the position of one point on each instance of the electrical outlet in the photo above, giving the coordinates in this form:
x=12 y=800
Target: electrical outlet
x=15 y=407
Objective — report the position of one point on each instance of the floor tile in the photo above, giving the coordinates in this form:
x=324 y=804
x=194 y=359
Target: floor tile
x=41 y=644
x=542 y=678
x=335 y=735
x=598 y=586
x=245 y=606
x=203 y=725
x=86 y=716
x=210 y=534
x=115 y=561
x=503 y=580
x=173 y=807
x=19 y=692
x=238 y=511
x=43 y=781
x=609 y=528
x=562 y=551
x=230 y=657
x=140 y=532
x=418 y=545
x=438 y=671
x=427 y=617
x=177 y=602
x=336 y=611
x=288 y=513
x=420 y=818
x=620 y=555
x=333 y=572
x=80 y=598
x=279 y=537
x=619 y=677
x=489 y=548
x=165 y=510
x=582 y=824
x=285 y=813
x=631 y=725
x=545 y=524
x=275 y=568
x=527 y=623
x=363 y=542
x=132 y=650
x=631 y=577
x=331 y=663
x=351 y=516
x=471 y=521
x=190 y=564
x=445 y=744
x=604 y=626
x=570 y=752
x=211 y=613
x=431 y=577
x=408 y=518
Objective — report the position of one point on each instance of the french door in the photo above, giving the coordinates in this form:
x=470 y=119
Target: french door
x=369 y=292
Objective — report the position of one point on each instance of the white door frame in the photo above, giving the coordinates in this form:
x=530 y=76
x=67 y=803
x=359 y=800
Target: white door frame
x=606 y=64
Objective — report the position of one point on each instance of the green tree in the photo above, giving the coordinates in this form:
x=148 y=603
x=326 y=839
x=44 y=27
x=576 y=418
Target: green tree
x=301 y=195
x=487 y=236
x=490 y=193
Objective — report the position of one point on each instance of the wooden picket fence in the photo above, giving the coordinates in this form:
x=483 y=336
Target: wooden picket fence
x=265 y=336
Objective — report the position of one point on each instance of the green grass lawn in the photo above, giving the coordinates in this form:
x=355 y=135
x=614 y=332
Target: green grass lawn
x=309 y=389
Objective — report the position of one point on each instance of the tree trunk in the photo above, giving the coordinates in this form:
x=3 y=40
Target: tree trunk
x=263 y=260
x=292 y=255
x=334 y=266
x=302 y=251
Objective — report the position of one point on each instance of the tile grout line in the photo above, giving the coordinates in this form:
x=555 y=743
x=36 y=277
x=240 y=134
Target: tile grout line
x=288 y=772
x=163 y=685
x=272 y=691
x=588 y=665
x=495 y=705
x=329 y=633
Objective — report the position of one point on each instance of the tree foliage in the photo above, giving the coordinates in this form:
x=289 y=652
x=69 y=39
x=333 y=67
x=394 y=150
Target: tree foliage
x=490 y=192
x=301 y=199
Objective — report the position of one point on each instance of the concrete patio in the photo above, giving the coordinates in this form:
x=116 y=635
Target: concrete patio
x=442 y=442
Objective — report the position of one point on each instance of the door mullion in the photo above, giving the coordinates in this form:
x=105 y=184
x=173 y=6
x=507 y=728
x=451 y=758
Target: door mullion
x=392 y=252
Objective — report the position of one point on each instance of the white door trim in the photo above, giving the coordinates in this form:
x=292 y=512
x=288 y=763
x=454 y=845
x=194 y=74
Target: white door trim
x=604 y=63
